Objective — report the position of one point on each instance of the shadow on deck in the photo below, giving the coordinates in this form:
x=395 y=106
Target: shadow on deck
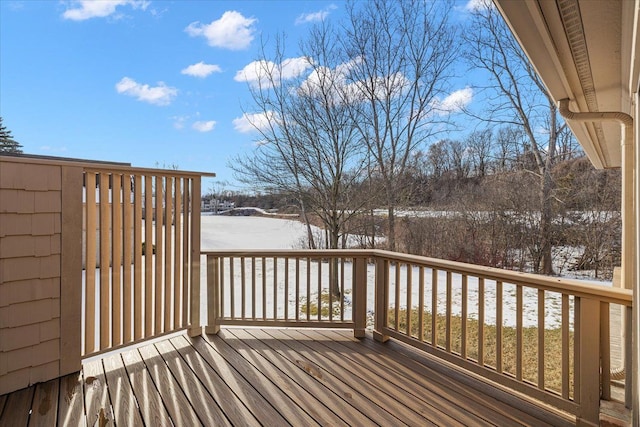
x=271 y=377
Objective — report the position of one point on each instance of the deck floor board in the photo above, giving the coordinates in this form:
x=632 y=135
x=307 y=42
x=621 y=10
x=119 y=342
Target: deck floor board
x=253 y=377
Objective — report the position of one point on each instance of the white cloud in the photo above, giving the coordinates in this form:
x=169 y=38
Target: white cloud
x=320 y=15
x=80 y=10
x=455 y=101
x=201 y=70
x=204 y=126
x=157 y=95
x=179 y=121
x=232 y=31
x=261 y=72
x=252 y=122
x=475 y=5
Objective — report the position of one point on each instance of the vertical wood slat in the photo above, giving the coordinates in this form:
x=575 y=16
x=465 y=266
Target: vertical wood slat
x=116 y=258
x=605 y=350
x=565 y=346
x=434 y=307
x=212 y=294
x=221 y=286
x=232 y=286
x=342 y=284
x=177 y=273
x=421 y=304
x=127 y=257
x=105 y=224
x=448 y=313
x=168 y=276
x=359 y=289
x=286 y=288
x=194 y=296
x=158 y=281
x=319 y=262
x=499 y=326
x=297 y=288
x=409 y=280
x=264 y=289
x=396 y=309
x=148 y=255
x=577 y=344
x=243 y=283
x=275 y=288
x=332 y=273
x=308 y=288
x=541 y=343
x=463 y=331
x=137 y=258
x=481 y=321
x=90 y=264
x=186 y=252
x=253 y=288
x=519 y=321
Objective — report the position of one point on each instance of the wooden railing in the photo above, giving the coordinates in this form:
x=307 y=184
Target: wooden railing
x=545 y=337
x=141 y=255
x=287 y=288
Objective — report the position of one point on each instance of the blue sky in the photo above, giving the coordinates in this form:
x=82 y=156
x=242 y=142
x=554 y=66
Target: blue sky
x=143 y=82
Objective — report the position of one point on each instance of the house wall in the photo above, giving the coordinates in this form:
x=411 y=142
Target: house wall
x=39 y=340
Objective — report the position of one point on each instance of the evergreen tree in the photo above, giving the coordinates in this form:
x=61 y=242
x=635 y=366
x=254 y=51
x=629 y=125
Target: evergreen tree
x=7 y=143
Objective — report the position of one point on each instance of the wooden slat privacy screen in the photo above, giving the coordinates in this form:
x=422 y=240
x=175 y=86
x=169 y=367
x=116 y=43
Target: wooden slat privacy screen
x=141 y=246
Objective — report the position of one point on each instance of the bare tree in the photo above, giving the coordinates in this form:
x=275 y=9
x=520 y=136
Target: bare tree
x=402 y=56
x=480 y=146
x=308 y=143
x=517 y=97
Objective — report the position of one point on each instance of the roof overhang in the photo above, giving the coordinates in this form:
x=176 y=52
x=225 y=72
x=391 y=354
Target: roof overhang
x=584 y=51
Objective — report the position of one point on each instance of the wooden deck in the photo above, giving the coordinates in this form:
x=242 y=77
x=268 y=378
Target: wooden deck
x=272 y=377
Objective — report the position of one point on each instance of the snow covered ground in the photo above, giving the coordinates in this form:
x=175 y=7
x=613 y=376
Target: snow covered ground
x=220 y=232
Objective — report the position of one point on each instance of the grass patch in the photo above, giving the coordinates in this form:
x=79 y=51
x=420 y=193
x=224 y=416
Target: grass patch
x=552 y=345
x=326 y=304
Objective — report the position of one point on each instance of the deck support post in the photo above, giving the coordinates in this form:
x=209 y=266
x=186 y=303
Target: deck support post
x=360 y=297
x=381 y=302
x=589 y=368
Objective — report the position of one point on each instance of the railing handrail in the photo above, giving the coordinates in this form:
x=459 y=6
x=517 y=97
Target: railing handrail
x=554 y=284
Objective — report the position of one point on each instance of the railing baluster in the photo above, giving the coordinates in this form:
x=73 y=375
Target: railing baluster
x=308 y=288
x=105 y=225
x=223 y=312
x=148 y=255
x=421 y=304
x=116 y=258
x=409 y=290
x=90 y=264
x=264 y=288
x=396 y=288
x=186 y=252
x=127 y=257
x=565 y=346
x=253 y=288
x=286 y=288
x=499 y=326
x=541 y=341
x=177 y=274
x=448 y=313
x=159 y=254
x=519 y=344
x=577 y=344
x=605 y=350
x=319 y=288
x=275 y=287
x=353 y=266
x=168 y=276
x=481 y=321
x=463 y=329
x=243 y=283
x=297 y=295
x=138 y=311
x=232 y=286
x=434 y=307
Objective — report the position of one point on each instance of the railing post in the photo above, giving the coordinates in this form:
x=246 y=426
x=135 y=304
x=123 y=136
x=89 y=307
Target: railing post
x=589 y=369
x=360 y=297
x=195 y=329
x=381 y=303
x=213 y=303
